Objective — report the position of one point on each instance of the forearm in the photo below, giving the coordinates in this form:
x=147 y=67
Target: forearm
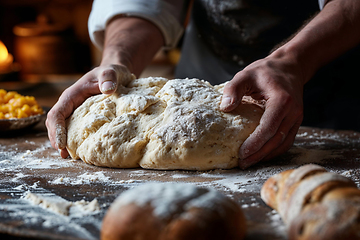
x=331 y=33
x=132 y=42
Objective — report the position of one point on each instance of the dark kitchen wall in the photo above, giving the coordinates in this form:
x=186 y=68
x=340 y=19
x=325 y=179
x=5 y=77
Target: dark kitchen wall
x=72 y=13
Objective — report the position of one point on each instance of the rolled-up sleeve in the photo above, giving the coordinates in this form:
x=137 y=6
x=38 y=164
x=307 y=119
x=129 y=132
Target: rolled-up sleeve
x=166 y=15
x=322 y=3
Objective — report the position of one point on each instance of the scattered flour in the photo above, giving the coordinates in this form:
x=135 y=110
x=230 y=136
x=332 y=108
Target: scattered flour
x=232 y=182
x=61 y=206
x=85 y=178
x=277 y=223
x=177 y=176
x=322 y=138
x=18 y=176
x=53 y=213
x=304 y=156
x=142 y=173
x=30 y=202
x=34 y=158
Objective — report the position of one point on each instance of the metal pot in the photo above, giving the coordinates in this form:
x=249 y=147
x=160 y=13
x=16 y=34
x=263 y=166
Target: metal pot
x=43 y=47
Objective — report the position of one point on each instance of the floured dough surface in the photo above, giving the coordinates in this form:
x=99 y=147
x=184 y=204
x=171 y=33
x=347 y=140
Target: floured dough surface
x=157 y=123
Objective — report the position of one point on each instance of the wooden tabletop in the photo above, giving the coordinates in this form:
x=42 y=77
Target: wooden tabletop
x=28 y=164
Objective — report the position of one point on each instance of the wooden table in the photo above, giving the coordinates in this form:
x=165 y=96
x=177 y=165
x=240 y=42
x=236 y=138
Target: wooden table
x=28 y=163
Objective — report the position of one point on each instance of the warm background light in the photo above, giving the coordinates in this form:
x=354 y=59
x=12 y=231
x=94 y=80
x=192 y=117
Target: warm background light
x=3 y=52
x=6 y=59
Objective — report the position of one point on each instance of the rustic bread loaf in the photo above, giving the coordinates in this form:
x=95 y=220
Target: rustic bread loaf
x=173 y=211
x=314 y=203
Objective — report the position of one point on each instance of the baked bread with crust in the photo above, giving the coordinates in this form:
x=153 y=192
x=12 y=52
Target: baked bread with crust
x=315 y=204
x=173 y=211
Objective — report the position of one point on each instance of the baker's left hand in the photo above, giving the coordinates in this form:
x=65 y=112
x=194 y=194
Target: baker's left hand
x=279 y=81
x=103 y=79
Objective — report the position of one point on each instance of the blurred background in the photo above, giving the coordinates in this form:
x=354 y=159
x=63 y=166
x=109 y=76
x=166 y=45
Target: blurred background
x=45 y=47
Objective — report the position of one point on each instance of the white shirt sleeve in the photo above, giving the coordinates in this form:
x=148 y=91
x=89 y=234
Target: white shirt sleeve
x=167 y=15
x=322 y=4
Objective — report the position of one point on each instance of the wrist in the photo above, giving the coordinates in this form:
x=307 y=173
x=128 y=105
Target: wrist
x=308 y=58
x=131 y=42
x=113 y=55
x=293 y=62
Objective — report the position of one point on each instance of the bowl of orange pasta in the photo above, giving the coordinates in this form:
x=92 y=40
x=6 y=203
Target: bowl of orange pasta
x=18 y=111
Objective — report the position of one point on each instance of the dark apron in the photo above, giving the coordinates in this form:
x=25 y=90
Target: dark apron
x=242 y=31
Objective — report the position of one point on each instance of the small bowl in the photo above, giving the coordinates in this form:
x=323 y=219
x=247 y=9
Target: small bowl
x=14 y=124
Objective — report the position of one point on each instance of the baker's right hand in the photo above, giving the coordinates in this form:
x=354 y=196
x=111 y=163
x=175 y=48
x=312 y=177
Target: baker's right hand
x=102 y=79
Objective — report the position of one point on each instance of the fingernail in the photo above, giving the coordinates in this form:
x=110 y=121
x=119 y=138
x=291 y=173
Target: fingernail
x=107 y=86
x=225 y=102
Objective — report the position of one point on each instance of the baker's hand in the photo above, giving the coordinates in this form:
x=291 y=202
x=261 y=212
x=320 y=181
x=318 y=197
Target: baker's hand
x=279 y=81
x=103 y=79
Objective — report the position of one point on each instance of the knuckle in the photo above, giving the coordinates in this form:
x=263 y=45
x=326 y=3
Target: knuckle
x=292 y=104
x=286 y=99
x=108 y=73
x=231 y=86
x=273 y=129
x=47 y=124
x=49 y=117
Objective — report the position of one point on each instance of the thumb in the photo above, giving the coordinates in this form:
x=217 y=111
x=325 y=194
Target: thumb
x=111 y=76
x=107 y=78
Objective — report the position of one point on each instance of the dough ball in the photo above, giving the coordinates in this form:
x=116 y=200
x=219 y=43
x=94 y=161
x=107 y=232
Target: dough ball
x=173 y=211
x=157 y=123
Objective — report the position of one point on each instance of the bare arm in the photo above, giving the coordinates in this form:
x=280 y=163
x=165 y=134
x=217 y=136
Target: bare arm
x=132 y=42
x=280 y=77
x=330 y=34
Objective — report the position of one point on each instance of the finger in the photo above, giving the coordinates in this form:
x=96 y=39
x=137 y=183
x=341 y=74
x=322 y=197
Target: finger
x=280 y=143
x=60 y=134
x=112 y=76
x=70 y=99
x=275 y=112
x=108 y=80
x=234 y=91
x=290 y=138
x=274 y=142
x=51 y=132
x=261 y=135
x=64 y=153
x=55 y=124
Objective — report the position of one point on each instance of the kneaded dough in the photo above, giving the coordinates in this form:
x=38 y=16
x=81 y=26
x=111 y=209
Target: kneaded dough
x=157 y=123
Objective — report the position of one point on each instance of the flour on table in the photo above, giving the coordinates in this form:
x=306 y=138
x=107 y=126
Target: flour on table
x=61 y=206
x=304 y=155
x=157 y=123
